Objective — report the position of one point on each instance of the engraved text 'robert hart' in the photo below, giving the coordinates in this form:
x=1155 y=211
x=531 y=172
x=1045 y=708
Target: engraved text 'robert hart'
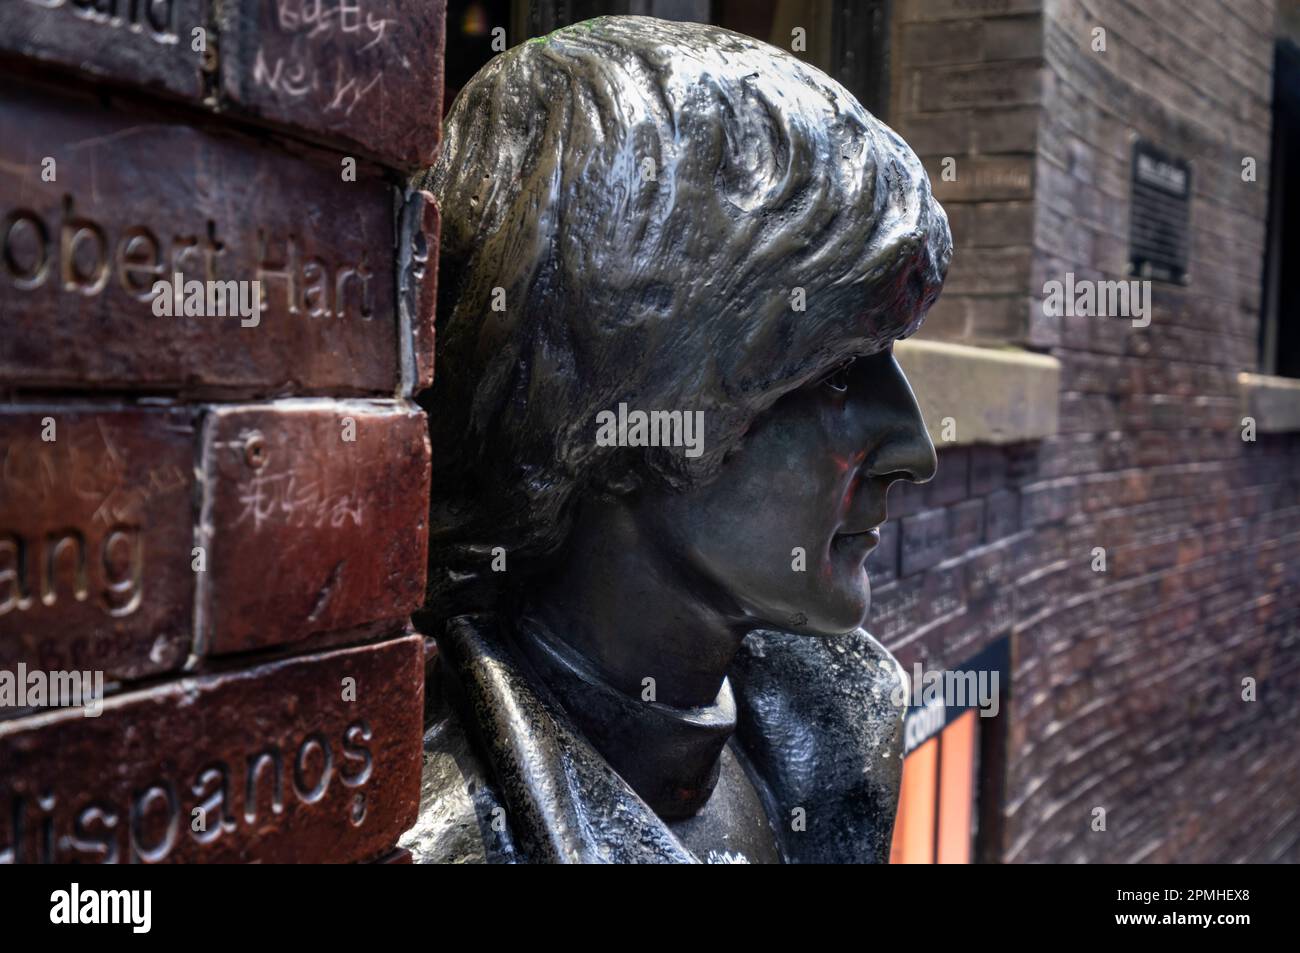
x=81 y=256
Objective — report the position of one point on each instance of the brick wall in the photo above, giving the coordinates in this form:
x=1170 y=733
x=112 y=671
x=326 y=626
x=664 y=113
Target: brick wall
x=1127 y=684
x=967 y=96
x=225 y=517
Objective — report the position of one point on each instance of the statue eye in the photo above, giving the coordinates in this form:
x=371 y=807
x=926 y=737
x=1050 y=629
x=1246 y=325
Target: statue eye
x=838 y=379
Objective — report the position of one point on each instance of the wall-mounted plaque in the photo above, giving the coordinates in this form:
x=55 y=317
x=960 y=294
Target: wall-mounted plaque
x=1158 y=224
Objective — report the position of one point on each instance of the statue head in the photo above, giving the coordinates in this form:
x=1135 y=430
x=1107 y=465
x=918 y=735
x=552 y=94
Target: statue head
x=645 y=216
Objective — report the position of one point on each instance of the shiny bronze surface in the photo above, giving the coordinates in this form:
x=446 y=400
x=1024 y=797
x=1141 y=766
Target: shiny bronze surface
x=417 y=287
x=651 y=650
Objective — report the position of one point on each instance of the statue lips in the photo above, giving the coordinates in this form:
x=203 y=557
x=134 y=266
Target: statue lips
x=869 y=537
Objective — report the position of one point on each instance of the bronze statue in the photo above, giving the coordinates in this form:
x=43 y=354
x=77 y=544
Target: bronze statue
x=665 y=419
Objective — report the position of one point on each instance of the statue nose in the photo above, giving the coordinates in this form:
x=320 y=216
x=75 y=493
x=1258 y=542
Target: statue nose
x=906 y=453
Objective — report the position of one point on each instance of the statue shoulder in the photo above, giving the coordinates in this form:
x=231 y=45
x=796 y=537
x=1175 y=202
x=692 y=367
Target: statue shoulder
x=821 y=720
x=855 y=664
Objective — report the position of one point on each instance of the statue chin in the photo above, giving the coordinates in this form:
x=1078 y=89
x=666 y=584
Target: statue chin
x=833 y=616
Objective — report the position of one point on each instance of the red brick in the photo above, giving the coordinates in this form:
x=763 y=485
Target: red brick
x=367 y=75
x=284 y=768
x=96 y=533
x=145 y=44
x=925 y=541
x=307 y=531
x=138 y=199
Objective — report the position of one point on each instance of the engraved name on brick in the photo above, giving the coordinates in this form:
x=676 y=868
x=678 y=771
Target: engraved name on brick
x=95 y=538
x=267 y=764
x=142 y=42
x=361 y=74
x=136 y=201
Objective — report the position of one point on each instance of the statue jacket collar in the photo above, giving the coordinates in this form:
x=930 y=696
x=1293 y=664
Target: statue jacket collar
x=817 y=719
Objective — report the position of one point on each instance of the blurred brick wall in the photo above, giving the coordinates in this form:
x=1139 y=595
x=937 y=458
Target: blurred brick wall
x=1126 y=685
x=969 y=88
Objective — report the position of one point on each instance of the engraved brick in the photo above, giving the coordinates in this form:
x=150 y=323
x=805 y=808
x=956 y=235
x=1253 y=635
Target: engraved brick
x=365 y=75
x=145 y=44
x=894 y=610
x=368 y=73
x=989 y=271
x=135 y=200
x=96 y=535
x=942 y=592
x=272 y=764
x=983 y=178
x=988 y=572
x=1040 y=589
x=315 y=517
x=945 y=9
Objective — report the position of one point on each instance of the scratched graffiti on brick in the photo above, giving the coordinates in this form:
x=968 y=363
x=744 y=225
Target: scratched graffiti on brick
x=296 y=72
x=368 y=72
x=288 y=499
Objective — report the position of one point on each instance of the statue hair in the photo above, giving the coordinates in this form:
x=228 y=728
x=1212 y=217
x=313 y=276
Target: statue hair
x=632 y=211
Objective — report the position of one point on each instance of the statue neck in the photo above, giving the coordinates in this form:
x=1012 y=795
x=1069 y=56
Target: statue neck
x=634 y=614
x=668 y=755
x=638 y=654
